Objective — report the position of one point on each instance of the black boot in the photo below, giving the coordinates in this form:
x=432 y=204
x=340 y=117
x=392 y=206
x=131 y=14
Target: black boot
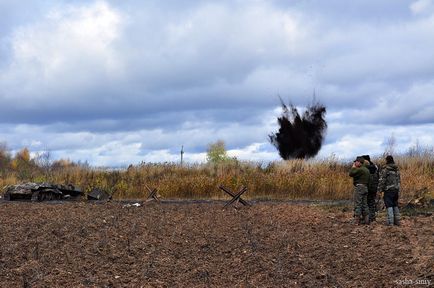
x=357 y=220
x=366 y=220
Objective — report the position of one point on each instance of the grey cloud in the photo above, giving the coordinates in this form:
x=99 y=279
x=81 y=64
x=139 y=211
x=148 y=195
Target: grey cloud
x=412 y=106
x=177 y=81
x=197 y=71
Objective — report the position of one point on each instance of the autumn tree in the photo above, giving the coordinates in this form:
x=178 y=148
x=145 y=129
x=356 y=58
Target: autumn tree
x=216 y=152
x=24 y=166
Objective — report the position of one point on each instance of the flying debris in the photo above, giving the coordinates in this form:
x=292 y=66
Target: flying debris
x=300 y=137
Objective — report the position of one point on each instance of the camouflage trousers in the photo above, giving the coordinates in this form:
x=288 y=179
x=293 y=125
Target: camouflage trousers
x=361 y=200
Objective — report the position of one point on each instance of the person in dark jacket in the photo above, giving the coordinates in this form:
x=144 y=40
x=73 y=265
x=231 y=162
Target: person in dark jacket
x=372 y=187
x=390 y=184
x=360 y=176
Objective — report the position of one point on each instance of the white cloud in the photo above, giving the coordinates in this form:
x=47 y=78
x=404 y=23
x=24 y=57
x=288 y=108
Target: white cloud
x=422 y=6
x=254 y=152
x=373 y=139
x=66 y=50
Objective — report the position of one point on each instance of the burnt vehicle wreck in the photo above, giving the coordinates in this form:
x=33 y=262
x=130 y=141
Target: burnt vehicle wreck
x=37 y=192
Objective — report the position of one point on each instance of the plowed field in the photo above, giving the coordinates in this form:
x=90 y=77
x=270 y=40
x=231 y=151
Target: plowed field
x=201 y=245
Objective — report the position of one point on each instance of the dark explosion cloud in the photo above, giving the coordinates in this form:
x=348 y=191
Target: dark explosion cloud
x=300 y=137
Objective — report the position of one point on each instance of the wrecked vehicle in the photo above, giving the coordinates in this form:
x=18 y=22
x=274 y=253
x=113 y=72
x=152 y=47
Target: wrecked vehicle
x=37 y=192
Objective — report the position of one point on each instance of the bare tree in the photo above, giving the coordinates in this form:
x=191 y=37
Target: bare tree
x=390 y=145
x=5 y=158
x=43 y=160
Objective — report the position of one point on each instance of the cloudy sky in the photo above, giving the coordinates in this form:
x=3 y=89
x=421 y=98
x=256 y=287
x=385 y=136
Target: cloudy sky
x=120 y=82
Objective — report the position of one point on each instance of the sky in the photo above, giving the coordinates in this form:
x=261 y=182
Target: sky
x=115 y=83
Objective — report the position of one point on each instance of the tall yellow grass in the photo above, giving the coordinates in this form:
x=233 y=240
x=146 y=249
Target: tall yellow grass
x=294 y=179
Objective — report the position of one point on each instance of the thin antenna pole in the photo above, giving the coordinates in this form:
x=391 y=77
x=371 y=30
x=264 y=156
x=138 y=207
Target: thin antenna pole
x=182 y=154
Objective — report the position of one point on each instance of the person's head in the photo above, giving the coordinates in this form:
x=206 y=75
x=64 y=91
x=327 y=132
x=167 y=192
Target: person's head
x=367 y=157
x=389 y=159
x=359 y=161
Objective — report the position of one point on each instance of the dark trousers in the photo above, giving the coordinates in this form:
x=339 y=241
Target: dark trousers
x=391 y=198
x=372 y=195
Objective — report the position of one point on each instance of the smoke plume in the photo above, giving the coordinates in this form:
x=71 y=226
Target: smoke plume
x=300 y=137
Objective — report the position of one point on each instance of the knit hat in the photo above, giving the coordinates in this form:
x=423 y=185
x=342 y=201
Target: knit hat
x=389 y=159
x=366 y=157
x=360 y=159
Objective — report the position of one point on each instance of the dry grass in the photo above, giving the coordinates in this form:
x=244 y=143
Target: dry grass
x=294 y=179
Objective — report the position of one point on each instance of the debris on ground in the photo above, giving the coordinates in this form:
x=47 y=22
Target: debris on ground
x=421 y=199
x=132 y=205
x=98 y=194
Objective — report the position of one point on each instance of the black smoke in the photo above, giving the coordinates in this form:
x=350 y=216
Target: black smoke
x=300 y=137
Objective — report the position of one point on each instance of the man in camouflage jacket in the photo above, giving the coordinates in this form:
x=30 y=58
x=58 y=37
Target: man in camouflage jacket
x=360 y=176
x=390 y=184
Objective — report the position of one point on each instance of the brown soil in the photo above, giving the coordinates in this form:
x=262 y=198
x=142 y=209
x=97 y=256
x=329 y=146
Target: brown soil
x=199 y=245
